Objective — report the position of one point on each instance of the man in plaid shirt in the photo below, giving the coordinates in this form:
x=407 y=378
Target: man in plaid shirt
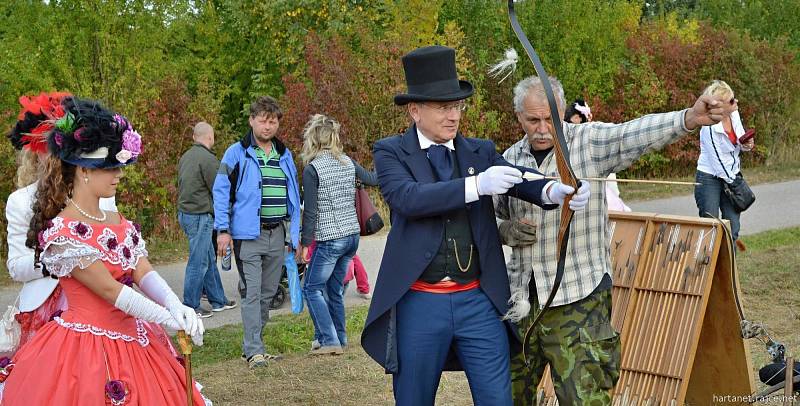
x=575 y=336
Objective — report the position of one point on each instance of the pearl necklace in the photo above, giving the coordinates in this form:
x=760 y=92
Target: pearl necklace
x=87 y=215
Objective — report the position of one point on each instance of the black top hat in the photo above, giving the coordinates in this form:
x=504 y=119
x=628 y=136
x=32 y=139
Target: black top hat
x=431 y=76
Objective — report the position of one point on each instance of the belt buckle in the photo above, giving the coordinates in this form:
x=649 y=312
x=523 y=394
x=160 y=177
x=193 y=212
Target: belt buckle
x=269 y=226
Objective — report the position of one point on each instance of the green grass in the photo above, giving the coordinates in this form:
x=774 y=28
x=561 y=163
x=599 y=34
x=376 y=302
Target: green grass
x=770 y=286
x=762 y=174
x=288 y=334
x=163 y=251
x=770 y=282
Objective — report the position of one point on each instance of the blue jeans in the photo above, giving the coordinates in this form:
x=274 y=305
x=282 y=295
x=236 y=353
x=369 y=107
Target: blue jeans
x=201 y=270
x=711 y=198
x=325 y=274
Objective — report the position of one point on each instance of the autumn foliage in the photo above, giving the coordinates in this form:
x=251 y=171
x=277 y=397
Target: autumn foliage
x=167 y=64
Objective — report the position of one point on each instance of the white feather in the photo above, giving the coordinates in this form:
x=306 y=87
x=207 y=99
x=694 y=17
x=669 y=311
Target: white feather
x=506 y=66
x=520 y=307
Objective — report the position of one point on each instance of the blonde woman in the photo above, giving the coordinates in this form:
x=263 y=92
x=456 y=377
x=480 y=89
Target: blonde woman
x=719 y=160
x=329 y=218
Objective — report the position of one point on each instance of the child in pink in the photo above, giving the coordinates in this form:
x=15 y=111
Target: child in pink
x=355 y=269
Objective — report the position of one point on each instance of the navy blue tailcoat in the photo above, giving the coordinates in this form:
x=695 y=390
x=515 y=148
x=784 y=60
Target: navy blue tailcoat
x=417 y=201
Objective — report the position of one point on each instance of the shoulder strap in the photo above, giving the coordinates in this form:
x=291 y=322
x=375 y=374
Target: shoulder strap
x=711 y=137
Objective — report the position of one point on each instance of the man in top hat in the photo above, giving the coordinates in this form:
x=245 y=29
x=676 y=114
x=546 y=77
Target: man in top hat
x=442 y=287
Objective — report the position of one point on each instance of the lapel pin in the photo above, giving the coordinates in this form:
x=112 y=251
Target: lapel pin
x=471 y=170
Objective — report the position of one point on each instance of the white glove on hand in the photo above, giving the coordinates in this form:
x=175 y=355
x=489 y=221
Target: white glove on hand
x=559 y=192
x=135 y=304
x=186 y=317
x=581 y=198
x=155 y=287
x=197 y=339
x=497 y=180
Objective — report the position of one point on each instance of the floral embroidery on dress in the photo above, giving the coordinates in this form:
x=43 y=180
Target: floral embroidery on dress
x=117 y=391
x=62 y=251
x=108 y=239
x=62 y=254
x=80 y=230
x=126 y=279
x=134 y=240
x=53 y=227
x=5 y=368
x=114 y=335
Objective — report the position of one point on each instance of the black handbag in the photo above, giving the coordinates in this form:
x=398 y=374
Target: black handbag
x=738 y=191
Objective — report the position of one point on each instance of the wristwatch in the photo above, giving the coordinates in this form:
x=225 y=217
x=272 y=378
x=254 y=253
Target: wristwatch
x=223 y=231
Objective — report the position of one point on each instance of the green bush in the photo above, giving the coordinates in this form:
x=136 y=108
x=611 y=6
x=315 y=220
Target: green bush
x=169 y=63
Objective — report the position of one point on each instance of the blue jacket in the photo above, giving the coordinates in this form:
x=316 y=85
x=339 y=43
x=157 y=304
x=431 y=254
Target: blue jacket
x=241 y=220
x=417 y=202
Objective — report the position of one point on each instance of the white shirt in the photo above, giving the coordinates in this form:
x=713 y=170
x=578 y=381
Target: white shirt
x=715 y=137
x=470 y=183
x=36 y=288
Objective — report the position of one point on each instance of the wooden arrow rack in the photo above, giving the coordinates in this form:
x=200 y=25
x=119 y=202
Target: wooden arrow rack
x=673 y=302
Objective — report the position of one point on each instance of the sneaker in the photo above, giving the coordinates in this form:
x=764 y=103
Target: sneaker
x=257 y=361
x=315 y=344
x=273 y=357
x=203 y=313
x=268 y=357
x=328 y=350
x=230 y=305
x=365 y=295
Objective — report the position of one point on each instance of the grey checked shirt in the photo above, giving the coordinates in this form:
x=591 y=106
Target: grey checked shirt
x=596 y=150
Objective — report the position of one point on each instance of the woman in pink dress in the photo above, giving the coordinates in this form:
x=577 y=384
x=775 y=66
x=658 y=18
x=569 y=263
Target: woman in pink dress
x=98 y=351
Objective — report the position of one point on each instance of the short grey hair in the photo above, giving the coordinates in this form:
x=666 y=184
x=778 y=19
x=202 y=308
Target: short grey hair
x=534 y=84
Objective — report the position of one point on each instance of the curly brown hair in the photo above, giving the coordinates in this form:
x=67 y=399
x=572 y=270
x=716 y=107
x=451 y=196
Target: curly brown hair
x=55 y=186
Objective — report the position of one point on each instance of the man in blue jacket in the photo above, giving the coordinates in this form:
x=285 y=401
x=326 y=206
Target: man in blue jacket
x=442 y=287
x=257 y=213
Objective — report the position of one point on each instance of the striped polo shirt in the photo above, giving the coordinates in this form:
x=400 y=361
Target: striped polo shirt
x=273 y=186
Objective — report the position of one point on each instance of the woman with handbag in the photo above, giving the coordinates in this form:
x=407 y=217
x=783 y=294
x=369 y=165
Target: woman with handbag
x=722 y=187
x=329 y=218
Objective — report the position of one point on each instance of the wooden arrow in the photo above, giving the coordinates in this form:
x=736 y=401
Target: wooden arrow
x=536 y=176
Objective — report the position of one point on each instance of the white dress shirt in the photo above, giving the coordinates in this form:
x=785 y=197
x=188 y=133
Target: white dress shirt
x=715 y=137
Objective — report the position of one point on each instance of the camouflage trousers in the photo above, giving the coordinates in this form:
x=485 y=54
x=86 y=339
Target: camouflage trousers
x=580 y=345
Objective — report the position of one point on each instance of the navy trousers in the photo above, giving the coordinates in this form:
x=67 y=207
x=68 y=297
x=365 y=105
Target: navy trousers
x=428 y=324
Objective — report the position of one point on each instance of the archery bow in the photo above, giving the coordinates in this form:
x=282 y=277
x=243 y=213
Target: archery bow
x=567 y=176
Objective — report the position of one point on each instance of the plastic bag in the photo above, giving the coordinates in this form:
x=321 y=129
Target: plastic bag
x=10 y=330
x=295 y=290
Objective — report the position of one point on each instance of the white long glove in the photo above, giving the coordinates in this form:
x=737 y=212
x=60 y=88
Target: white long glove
x=156 y=288
x=559 y=192
x=497 y=180
x=135 y=304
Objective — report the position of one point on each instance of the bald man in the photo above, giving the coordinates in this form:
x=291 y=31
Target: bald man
x=196 y=172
